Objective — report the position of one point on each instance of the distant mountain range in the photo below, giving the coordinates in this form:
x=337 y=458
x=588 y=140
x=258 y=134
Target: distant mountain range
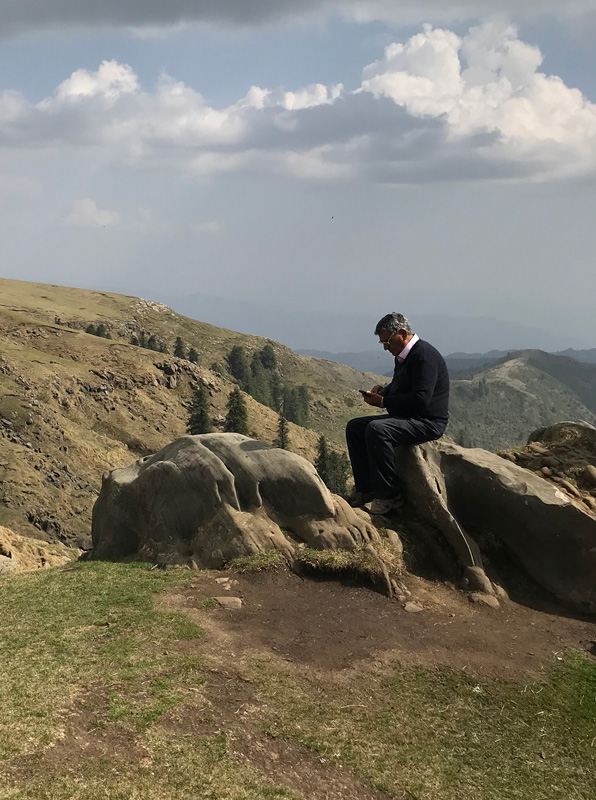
x=382 y=362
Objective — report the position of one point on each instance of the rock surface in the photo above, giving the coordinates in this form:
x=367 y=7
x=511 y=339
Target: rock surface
x=205 y=500
x=464 y=491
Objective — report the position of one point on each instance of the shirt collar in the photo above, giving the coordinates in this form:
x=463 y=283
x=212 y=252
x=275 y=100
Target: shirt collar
x=404 y=353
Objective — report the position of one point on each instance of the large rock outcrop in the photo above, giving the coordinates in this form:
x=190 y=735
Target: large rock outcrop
x=462 y=491
x=205 y=500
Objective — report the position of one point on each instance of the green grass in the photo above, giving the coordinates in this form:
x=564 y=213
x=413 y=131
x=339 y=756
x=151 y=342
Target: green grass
x=441 y=734
x=89 y=643
x=268 y=559
x=88 y=640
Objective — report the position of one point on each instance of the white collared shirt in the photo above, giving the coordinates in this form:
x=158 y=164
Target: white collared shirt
x=404 y=353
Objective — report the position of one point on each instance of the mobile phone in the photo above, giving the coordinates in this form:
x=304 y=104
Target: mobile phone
x=363 y=391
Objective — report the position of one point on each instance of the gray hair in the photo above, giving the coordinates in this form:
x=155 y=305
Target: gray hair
x=393 y=323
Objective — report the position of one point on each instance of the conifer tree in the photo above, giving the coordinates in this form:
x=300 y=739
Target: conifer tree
x=237 y=416
x=91 y=329
x=198 y=417
x=179 y=350
x=283 y=434
x=339 y=469
x=152 y=342
x=239 y=367
x=142 y=339
x=101 y=330
x=267 y=356
x=193 y=356
x=134 y=340
x=322 y=460
x=303 y=405
x=259 y=381
x=276 y=390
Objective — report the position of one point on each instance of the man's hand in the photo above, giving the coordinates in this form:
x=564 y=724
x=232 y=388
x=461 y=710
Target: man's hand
x=378 y=389
x=373 y=399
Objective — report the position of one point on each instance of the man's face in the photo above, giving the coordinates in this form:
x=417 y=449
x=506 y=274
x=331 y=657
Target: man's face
x=394 y=342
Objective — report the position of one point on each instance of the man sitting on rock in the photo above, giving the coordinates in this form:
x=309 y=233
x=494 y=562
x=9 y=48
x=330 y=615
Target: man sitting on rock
x=416 y=401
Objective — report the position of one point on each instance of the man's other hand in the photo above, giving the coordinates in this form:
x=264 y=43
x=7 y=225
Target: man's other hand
x=378 y=389
x=373 y=399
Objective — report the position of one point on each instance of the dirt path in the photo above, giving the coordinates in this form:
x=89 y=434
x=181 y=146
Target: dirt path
x=329 y=625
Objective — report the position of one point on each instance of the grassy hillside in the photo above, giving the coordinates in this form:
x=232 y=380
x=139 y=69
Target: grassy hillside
x=499 y=405
x=73 y=405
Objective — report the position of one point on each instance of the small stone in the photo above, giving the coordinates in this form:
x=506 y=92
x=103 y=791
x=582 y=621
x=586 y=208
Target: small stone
x=570 y=488
x=590 y=474
x=500 y=592
x=546 y=471
x=232 y=603
x=538 y=448
x=394 y=540
x=479 y=580
x=222 y=580
x=413 y=608
x=484 y=599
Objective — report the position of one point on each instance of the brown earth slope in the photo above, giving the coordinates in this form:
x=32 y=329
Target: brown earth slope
x=73 y=405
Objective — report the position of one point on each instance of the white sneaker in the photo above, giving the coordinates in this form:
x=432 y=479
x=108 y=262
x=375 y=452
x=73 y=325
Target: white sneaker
x=380 y=506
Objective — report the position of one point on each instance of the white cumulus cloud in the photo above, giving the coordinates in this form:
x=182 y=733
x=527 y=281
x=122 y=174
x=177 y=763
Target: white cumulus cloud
x=86 y=214
x=435 y=107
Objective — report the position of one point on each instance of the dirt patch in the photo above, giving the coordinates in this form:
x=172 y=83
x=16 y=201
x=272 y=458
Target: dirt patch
x=330 y=626
x=228 y=705
x=84 y=737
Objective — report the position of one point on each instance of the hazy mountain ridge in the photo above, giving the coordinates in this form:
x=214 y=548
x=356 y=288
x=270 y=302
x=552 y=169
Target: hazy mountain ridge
x=456 y=362
x=498 y=405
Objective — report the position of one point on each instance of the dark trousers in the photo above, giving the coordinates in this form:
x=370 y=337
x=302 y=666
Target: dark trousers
x=370 y=444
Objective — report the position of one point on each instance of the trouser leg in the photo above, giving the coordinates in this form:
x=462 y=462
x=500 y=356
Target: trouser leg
x=381 y=435
x=357 y=450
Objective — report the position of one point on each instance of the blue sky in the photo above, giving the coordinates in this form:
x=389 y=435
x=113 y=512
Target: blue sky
x=453 y=174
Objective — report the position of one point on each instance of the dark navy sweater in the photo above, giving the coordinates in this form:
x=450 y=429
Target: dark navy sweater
x=420 y=386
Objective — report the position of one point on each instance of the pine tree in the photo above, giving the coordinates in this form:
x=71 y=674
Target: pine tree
x=142 y=339
x=91 y=329
x=198 y=417
x=239 y=367
x=179 y=350
x=339 y=469
x=134 y=340
x=276 y=390
x=303 y=405
x=193 y=356
x=162 y=347
x=322 y=460
x=267 y=356
x=101 y=330
x=237 y=416
x=152 y=342
x=259 y=381
x=283 y=434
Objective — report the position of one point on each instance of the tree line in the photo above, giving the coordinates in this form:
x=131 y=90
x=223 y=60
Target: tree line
x=258 y=376
x=333 y=466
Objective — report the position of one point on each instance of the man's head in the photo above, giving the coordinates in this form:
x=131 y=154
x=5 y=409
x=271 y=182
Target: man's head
x=394 y=332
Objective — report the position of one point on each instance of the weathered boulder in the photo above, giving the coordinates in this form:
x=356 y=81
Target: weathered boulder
x=205 y=500
x=461 y=491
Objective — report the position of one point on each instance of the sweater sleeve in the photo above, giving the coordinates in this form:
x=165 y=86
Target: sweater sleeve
x=415 y=403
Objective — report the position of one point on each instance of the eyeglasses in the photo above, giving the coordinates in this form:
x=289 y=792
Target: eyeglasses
x=387 y=342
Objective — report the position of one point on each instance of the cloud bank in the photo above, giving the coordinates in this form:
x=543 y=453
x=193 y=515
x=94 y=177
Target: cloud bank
x=436 y=107
x=20 y=17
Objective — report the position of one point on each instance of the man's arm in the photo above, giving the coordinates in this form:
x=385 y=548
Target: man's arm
x=424 y=371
